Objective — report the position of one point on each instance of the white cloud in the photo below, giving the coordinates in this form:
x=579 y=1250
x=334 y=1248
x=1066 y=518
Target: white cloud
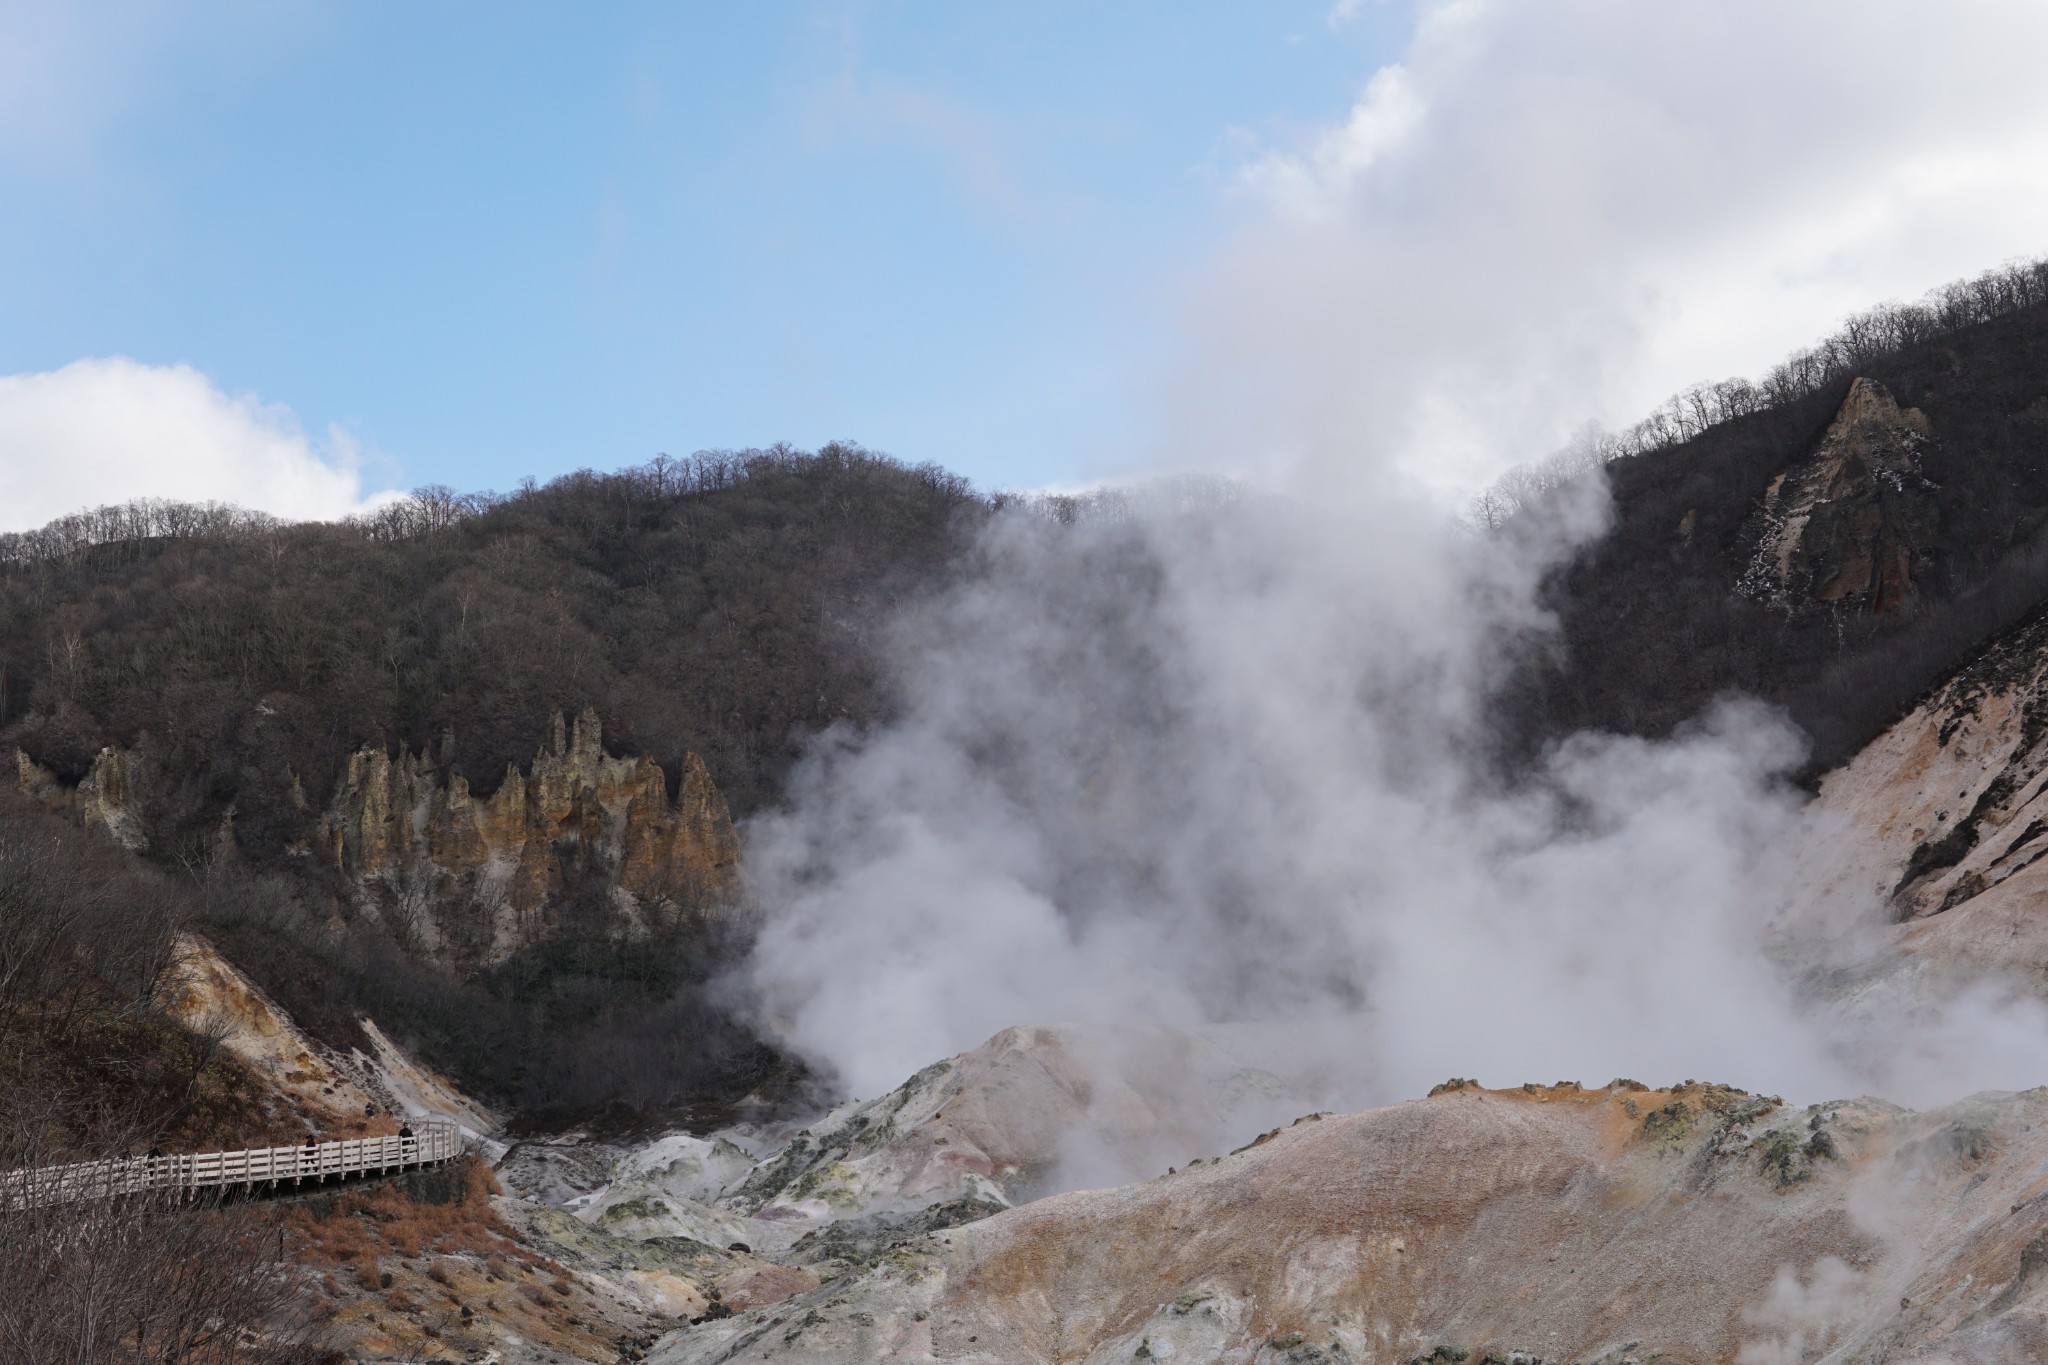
x=1544 y=213
x=106 y=430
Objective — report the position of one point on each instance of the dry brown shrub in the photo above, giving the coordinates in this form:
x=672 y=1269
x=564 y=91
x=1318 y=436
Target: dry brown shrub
x=391 y=1219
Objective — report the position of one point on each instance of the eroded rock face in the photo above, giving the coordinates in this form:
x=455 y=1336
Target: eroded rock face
x=107 y=797
x=476 y=879
x=1692 y=1224
x=337 y=1094
x=465 y=879
x=1851 y=526
x=1949 y=799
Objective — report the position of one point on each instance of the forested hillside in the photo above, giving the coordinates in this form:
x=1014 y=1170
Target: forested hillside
x=716 y=607
x=1834 y=556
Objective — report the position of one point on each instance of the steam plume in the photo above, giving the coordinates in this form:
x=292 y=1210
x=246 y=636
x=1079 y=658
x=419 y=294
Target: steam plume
x=1204 y=756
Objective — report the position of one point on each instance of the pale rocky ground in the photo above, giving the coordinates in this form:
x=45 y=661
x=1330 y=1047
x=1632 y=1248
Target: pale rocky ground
x=1030 y=1110
x=1697 y=1224
x=1542 y=1223
x=1552 y=1223
x=638 y=1239
x=1926 y=849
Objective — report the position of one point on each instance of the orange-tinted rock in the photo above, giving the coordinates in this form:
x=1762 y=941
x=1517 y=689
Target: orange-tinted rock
x=470 y=878
x=758 y=1285
x=1694 y=1224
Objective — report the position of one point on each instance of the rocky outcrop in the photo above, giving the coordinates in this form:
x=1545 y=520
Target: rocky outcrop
x=1551 y=1223
x=335 y=1093
x=1849 y=527
x=466 y=879
x=108 y=796
x=469 y=878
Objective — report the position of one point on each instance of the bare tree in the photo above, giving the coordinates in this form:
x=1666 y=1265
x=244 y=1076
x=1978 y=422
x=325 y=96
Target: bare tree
x=148 y=1279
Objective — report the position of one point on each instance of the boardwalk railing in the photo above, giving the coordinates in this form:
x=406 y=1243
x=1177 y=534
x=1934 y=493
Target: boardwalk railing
x=432 y=1142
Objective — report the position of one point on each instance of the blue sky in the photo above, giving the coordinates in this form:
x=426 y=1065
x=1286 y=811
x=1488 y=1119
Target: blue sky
x=499 y=240
x=293 y=253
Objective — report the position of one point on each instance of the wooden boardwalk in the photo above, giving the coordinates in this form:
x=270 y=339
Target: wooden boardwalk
x=433 y=1141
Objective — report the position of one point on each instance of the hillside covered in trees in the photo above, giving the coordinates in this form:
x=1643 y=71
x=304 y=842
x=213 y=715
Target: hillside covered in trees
x=716 y=607
x=1833 y=539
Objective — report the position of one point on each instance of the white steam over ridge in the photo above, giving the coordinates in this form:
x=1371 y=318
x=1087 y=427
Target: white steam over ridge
x=1203 y=758
x=1548 y=213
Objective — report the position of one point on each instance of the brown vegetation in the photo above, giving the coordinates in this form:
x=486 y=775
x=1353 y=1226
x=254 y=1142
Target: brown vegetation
x=426 y=1265
x=148 y=1279
x=88 y=1062
x=716 y=606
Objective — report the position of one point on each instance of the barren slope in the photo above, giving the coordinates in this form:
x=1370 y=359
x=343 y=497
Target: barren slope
x=1942 y=820
x=1570 y=1225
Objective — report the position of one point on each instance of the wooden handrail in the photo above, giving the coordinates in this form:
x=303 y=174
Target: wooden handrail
x=433 y=1141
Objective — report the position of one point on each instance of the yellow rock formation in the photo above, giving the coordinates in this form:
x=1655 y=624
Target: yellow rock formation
x=469 y=877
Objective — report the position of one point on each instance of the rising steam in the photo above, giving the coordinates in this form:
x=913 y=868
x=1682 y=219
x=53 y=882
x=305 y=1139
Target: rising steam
x=1201 y=755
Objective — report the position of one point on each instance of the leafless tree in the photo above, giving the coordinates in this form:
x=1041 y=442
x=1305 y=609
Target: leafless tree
x=149 y=1279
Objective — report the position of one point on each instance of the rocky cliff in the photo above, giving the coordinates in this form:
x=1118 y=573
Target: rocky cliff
x=331 y=1092
x=106 y=797
x=469 y=879
x=476 y=878
x=1850 y=525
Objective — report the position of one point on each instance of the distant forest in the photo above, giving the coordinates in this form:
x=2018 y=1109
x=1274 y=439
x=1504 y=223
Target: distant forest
x=716 y=605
